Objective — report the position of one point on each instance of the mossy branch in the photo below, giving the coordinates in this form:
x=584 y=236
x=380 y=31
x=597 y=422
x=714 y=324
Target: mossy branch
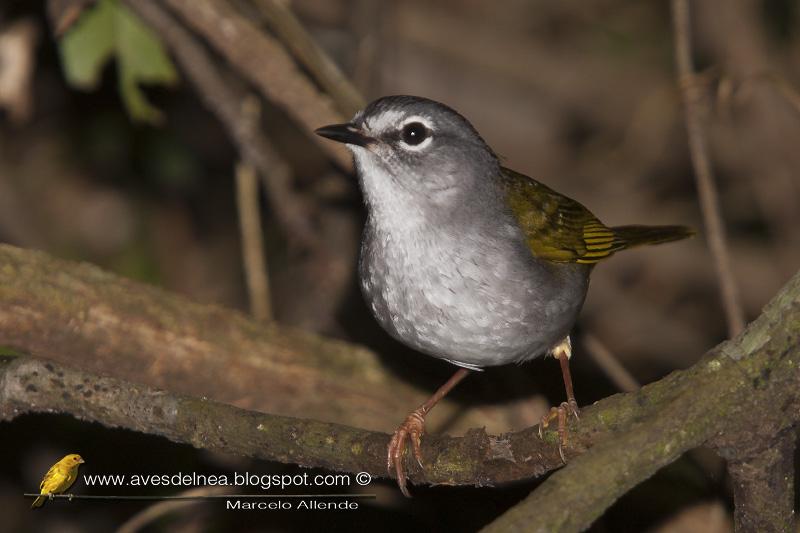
x=30 y=385
x=84 y=317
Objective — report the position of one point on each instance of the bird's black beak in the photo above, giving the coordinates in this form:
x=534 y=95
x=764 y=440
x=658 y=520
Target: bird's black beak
x=344 y=133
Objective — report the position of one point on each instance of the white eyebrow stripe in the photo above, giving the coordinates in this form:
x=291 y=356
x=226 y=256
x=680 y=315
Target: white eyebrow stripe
x=426 y=121
x=384 y=121
x=390 y=120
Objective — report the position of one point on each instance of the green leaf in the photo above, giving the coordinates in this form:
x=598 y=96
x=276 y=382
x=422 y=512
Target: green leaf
x=88 y=45
x=110 y=30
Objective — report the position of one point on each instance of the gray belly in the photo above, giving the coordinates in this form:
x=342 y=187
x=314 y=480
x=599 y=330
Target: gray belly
x=474 y=302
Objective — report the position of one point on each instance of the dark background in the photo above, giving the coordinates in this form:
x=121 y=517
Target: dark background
x=580 y=94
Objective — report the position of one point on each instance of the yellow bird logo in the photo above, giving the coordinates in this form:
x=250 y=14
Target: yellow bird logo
x=59 y=478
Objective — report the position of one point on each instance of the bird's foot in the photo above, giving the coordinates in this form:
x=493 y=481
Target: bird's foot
x=560 y=413
x=413 y=427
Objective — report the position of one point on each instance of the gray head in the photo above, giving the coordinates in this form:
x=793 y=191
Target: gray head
x=415 y=148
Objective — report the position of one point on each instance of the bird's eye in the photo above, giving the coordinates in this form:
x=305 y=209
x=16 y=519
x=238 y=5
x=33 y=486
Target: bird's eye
x=414 y=133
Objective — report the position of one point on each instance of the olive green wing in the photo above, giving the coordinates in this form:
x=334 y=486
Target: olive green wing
x=557 y=228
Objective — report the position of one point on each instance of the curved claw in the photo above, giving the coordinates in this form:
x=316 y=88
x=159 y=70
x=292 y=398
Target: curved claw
x=414 y=427
x=560 y=413
x=572 y=408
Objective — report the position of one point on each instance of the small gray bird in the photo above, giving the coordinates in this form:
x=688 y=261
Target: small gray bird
x=463 y=259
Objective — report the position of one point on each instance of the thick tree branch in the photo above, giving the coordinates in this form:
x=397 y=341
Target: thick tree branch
x=32 y=385
x=763 y=487
x=82 y=316
x=761 y=464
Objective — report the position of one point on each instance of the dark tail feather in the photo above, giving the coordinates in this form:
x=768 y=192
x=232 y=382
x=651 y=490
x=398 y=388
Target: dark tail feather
x=38 y=502
x=629 y=236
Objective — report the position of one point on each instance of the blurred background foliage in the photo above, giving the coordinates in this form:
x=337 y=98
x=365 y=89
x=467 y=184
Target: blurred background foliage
x=109 y=155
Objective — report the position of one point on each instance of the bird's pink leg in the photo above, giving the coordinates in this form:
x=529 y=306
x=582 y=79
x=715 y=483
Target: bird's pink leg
x=562 y=351
x=413 y=427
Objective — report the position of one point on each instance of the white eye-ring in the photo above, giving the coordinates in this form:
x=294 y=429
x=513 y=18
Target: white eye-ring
x=416 y=133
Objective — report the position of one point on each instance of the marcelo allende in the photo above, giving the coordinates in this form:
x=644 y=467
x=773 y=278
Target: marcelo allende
x=284 y=505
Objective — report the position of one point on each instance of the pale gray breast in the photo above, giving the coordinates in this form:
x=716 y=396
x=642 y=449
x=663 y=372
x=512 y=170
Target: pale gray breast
x=476 y=299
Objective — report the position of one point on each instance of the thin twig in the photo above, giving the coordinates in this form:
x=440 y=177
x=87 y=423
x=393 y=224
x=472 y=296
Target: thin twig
x=286 y=26
x=706 y=186
x=253 y=256
x=609 y=364
x=772 y=79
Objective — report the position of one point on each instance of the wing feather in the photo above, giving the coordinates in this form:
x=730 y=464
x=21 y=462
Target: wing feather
x=557 y=228
x=51 y=479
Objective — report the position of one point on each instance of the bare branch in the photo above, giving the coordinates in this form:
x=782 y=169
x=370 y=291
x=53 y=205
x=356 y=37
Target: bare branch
x=692 y=93
x=255 y=265
x=283 y=22
x=609 y=364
